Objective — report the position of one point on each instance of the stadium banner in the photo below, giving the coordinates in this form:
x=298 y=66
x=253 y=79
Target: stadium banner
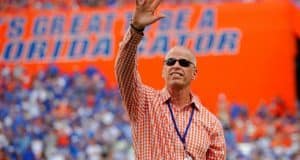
x=243 y=50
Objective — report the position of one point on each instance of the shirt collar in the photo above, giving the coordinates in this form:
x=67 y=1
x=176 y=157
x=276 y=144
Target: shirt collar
x=166 y=96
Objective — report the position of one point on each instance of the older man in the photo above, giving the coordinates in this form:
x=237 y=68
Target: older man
x=171 y=123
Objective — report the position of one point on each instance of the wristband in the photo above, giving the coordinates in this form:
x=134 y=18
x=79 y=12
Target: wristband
x=136 y=29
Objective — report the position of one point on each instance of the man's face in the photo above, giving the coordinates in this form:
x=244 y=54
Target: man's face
x=179 y=68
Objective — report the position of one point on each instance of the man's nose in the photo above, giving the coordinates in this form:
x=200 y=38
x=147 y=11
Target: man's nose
x=177 y=64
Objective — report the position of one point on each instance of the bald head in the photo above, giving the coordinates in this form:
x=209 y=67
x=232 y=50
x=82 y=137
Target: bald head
x=177 y=71
x=183 y=52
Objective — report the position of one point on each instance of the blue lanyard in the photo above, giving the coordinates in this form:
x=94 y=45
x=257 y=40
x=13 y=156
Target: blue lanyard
x=182 y=138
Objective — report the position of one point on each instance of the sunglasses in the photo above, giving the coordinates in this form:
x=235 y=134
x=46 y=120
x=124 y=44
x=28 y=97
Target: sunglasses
x=182 y=62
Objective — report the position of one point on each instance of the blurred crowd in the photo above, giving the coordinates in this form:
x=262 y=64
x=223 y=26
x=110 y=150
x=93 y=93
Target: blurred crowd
x=58 y=116
x=74 y=4
x=272 y=133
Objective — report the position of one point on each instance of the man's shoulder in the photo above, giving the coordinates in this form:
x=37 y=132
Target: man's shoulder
x=150 y=91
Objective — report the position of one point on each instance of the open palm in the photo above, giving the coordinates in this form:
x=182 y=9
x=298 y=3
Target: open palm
x=144 y=14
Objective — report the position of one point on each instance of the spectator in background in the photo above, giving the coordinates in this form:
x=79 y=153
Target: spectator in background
x=3 y=154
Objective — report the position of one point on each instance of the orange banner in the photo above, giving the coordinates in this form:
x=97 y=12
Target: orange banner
x=296 y=18
x=243 y=50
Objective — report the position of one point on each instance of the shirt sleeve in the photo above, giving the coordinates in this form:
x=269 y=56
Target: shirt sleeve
x=133 y=92
x=217 y=148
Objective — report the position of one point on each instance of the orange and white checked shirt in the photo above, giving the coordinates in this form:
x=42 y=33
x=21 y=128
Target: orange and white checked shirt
x=154 y=135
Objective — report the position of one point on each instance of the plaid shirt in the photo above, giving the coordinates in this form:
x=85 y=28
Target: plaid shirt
x=154 y=135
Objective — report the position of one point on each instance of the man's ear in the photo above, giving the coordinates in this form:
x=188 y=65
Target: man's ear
x=163 y=73
x=195 y=74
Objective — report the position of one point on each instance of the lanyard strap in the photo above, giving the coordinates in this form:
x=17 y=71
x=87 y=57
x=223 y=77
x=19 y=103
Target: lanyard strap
x=182 y=138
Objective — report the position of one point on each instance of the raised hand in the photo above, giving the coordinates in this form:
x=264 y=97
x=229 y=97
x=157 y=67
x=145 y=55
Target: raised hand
x=144 y=14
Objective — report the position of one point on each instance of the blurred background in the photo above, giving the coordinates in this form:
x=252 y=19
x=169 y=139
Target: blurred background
x=58 y=95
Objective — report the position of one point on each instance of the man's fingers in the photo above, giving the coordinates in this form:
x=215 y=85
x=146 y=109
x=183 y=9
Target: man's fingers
x=140 y=2
x=145 y=12
x=157 y=17
x=160 y=16
x=149 y=2
x=155 y=4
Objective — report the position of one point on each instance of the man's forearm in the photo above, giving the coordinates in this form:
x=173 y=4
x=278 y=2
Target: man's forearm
x=126 y=69
x=125 y=66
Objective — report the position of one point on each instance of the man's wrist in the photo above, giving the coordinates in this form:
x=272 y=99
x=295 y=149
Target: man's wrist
x=136 y=28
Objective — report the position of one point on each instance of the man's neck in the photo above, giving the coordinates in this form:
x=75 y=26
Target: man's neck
x=181 y=97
